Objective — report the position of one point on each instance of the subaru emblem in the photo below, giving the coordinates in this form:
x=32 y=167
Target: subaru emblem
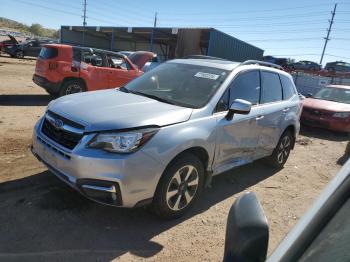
x=58 y=123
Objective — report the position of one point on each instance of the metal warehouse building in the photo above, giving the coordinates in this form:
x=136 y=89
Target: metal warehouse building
x=168 y=43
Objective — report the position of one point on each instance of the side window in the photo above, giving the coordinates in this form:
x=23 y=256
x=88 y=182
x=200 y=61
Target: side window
x=76 y=54
x=94 y=59
x=246 y=86
x=117 y=62
x=288 y=87
x=271 y=87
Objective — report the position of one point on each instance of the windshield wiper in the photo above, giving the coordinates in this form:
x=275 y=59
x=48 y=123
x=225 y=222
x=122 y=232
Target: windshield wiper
x=152 y=97
x=124 y=89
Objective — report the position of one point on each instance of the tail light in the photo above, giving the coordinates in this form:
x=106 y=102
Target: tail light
x=53 y=65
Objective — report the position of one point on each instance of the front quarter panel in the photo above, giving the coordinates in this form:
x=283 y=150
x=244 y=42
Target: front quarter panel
x=171 y=140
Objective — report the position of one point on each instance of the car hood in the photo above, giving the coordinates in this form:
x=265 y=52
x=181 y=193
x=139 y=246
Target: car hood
x=326 y=105
x=141 y=58
x=113 y=110
x=13 y=39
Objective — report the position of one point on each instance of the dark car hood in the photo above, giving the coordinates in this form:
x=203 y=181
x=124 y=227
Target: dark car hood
x=113 y=110
x=13 y=39
x=326 y=105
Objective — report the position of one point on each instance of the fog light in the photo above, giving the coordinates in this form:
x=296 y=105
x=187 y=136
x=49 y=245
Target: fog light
x=101 y=191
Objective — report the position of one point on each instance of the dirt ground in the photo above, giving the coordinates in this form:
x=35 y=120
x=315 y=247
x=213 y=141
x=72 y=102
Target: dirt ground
x=42 y=219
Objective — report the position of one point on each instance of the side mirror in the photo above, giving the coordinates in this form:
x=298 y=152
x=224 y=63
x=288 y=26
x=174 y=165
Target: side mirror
x=239 y=106
x=308 y=95
x=247 y=231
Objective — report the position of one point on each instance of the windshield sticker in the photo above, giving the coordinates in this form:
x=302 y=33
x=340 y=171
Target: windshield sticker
x=207 y=75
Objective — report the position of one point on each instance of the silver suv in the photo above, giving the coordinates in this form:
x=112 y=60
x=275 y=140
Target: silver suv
x=162 y=137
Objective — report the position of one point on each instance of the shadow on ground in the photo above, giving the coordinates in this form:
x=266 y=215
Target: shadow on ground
x=324 y=134
x=14 y=59
x=41 y=218
x=25 y=100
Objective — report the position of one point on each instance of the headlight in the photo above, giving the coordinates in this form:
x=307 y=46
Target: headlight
x=341 y=114
x=124 y=142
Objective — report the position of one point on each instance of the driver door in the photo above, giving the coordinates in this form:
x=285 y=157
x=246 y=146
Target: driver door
x=32 y=49
x=119 y=71
x=237 y=138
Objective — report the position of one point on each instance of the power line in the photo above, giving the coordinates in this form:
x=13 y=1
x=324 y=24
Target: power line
x=285 y=24
x=338 y=56
x=248 y=11
x=65 y=5
x=285 y=39
x=49 y=8
x=288 y=55
x=310 y=14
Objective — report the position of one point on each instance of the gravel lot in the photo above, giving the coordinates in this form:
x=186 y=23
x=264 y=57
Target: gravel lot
x=43 y=219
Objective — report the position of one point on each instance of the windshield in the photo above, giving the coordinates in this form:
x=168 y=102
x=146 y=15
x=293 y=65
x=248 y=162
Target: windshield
x=340 y=95
x=180 y=84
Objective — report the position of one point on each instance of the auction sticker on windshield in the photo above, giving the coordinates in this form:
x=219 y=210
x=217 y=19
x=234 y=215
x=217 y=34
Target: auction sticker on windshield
x=207 y=75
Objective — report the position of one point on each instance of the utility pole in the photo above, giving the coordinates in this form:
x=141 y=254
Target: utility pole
x=328 y=32
x=154 y=26
x=84 y=22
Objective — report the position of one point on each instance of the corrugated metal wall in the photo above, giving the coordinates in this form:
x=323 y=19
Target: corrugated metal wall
x=225 y=46
x=310 y=84
x=75 y=38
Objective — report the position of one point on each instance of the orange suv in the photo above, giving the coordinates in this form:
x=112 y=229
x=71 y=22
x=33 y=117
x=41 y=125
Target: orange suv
x=64 y=69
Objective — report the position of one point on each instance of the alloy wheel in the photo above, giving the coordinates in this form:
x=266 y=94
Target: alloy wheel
x=73 y=88
x=182 y=188
x=283 y=149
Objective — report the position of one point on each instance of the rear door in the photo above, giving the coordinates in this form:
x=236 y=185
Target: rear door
x=32 y=49
x=94 y=71
x=273 y=110
x=238 y=137
x=119 y=71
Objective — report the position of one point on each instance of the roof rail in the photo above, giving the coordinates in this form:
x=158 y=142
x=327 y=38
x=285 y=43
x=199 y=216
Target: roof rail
x=203 y=57
x=262 y=63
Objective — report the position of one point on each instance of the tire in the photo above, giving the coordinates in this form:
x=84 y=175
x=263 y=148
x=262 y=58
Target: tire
x=172 y=199
x=72 y=87
x=19 y=54
x=281 y=152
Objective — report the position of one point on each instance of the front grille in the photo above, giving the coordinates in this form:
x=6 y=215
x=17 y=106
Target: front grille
x=60 y=135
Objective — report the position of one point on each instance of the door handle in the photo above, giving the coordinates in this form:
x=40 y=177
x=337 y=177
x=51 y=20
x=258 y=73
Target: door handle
x=286 y=109
x=259 y=117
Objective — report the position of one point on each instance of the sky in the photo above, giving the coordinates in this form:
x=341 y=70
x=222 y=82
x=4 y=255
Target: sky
x=294 y=29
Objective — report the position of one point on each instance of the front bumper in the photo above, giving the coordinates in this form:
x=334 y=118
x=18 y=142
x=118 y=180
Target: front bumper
x=334 y=124
x=130 y=179
x=49 y=86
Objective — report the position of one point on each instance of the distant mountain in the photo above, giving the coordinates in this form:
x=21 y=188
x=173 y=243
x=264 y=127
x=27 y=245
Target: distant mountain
x=34 y=29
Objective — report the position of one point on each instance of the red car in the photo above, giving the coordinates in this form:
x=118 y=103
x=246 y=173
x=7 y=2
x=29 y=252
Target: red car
x=12 y=41
x=64 y=69
x=329 y=108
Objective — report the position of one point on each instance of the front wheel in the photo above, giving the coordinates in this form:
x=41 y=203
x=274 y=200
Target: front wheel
x=281 y=152
x=179 y=187
x=19 y=54
x=72 y=87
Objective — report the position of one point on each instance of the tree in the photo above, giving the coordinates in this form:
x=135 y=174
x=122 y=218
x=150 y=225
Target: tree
x=36 y=29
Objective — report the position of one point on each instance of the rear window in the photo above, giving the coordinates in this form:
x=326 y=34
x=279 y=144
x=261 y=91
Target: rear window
x=48 y=52
x=288 y=87
x=271 y=87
